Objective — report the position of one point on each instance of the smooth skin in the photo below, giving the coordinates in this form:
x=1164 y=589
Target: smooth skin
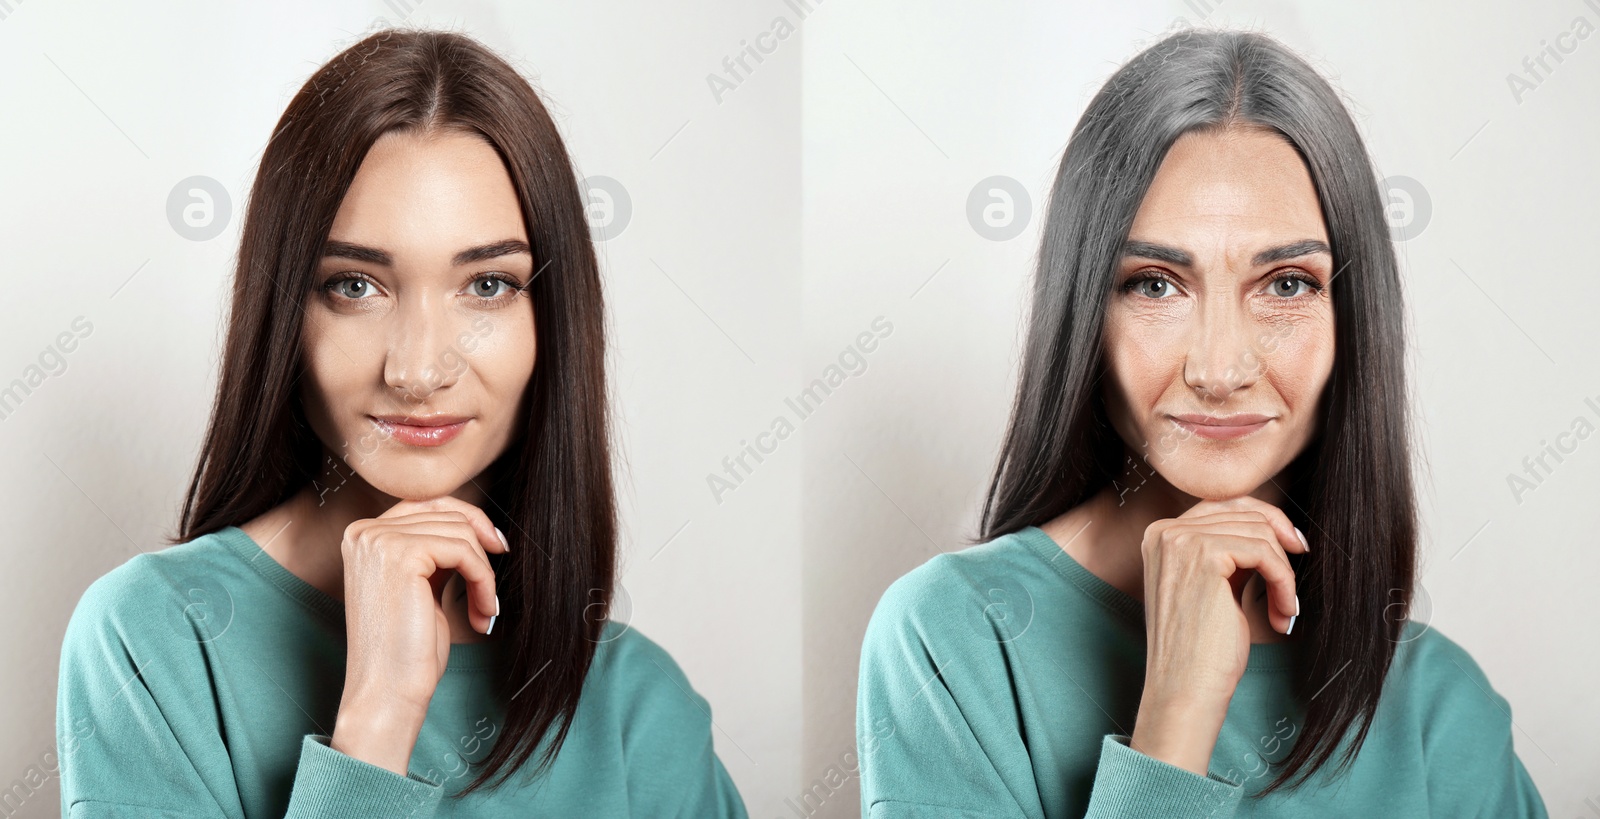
x=395 y=531
x=1222 y=306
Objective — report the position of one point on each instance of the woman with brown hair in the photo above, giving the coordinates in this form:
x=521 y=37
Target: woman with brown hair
x=391 y=588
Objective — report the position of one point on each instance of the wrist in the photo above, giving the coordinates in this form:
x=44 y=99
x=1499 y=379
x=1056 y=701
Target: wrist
x=1179 y=732
x=382 y=735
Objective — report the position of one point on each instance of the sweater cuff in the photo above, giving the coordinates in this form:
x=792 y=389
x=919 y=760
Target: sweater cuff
x=1133 y=784
x=332 y=784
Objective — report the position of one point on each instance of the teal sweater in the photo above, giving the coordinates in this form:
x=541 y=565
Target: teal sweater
x=202 y=680
x=1003 y=681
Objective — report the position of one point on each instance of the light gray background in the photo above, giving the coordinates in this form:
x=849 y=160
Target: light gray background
x=769 y=229
x=108 y=106
x=908 y=105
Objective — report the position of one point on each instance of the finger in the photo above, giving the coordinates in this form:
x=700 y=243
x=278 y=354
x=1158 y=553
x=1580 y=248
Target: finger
x=1288 y=536
x=440 y=523
x=469 y=561
x=1243 y=524
x=488 y=535
x=1269 y=562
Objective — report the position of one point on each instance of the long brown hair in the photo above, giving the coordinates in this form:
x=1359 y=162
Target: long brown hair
x=1350 y=491
x=551 y=491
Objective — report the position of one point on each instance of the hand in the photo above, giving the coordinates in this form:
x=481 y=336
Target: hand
x=1195 y=568
x=395 y=568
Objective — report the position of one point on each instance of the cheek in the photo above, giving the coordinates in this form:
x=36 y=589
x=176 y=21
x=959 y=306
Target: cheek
x=337 y=357
x=503 y=355
x=1143 y=357
x=1299 y=359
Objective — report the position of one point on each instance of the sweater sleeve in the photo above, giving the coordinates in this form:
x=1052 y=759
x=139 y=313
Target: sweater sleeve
x=919 y=745
x=667 y=741
x=1473 y=767
x=1128 y=783
x=939 y=734
x=331 y=784
x=121 y=712
x=138 y=733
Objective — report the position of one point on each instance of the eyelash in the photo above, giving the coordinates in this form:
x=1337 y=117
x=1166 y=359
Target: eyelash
x=1313 y=287
x=513 y=287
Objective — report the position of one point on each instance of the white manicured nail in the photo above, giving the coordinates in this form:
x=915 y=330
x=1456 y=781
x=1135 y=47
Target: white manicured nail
x=1302 y=536
x=505 y=543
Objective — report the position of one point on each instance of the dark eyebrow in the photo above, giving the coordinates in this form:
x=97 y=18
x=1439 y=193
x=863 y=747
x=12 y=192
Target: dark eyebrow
x=1172 y=255
x=1293 y=250
x=362 y=253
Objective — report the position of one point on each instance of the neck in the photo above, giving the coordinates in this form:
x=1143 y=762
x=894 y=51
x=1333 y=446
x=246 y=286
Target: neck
x=305 y=533
x=1106 y=532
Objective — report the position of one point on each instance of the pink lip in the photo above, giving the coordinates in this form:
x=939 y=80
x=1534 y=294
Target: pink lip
x=433 y=430
x=1222 y=428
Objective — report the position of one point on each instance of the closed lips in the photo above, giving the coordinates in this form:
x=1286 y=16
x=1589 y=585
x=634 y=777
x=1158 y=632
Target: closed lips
x=414 y=421
x=1241 y=420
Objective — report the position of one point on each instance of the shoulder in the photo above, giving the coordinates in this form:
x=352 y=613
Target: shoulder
x=626 y=652
x=150 y=596
x=1463 y=729
x=641 y=700
x=657 y=727
x=952 y=595
x=1448 y=692
x=1428 y=659
x=641 y=683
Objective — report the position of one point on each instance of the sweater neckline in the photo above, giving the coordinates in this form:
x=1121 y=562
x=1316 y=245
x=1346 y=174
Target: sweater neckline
x=1263 y=656
x=463 y=656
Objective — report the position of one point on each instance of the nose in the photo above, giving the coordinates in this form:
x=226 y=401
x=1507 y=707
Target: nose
x=421 y=356
x=1222 y=357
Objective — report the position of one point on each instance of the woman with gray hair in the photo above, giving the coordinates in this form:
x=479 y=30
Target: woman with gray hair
x=1199 y=544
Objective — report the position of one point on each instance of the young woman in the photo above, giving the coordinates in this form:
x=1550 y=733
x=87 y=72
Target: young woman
x=397 y=554
x=1200 y=538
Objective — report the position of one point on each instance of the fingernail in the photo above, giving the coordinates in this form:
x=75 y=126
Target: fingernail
x=1296 y=605
x=1302 y=536
x=1290 y=629
x=497 y=605
x=506 y=544
x=490 y=629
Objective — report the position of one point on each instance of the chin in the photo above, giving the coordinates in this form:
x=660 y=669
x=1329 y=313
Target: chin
x=408 y=479
x=1213 y=482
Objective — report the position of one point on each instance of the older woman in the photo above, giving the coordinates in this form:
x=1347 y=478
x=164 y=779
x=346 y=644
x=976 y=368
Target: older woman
x=1200 y=538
